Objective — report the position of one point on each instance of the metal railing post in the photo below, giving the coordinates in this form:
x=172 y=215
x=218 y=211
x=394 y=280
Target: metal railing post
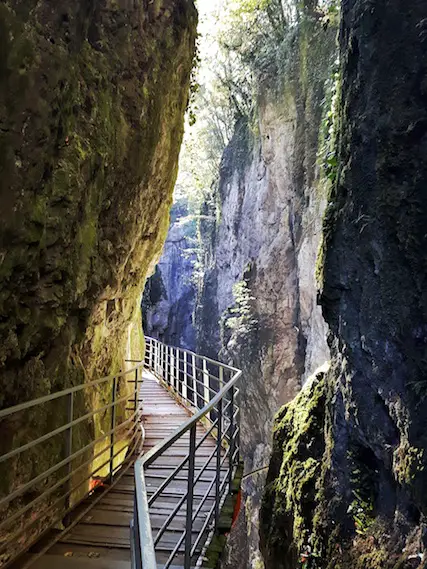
x=156 y=351
x=190 y=496
x=221 y=377
x=69 y=448
x=194 y=374
x=181 y=373
x=171 y=364
x=205 y=383
x=164 y=363
x=231 y=427
x=172 y=369
x=136 y=393
x=177 y=371
x=238 y=426
x=218 y=464
x=151 y=361
x=145 y=556
x=185 y=382
x=113 y=425
x=135 y=550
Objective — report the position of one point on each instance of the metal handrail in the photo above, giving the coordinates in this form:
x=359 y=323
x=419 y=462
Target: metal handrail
x=58 y=496
x=171 y=366
x=148 y=340
x=51 y=397
x=66 y=476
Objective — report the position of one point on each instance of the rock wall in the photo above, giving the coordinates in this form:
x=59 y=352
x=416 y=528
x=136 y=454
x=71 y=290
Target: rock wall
x=261 y=241
x=92 y=98
x=169 y=298
x=363 y=503
x=92 y=103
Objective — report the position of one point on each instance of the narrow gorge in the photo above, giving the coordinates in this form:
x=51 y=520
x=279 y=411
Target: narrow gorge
x=244 y=181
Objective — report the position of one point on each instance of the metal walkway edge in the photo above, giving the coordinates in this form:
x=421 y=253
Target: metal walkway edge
x=174 y=491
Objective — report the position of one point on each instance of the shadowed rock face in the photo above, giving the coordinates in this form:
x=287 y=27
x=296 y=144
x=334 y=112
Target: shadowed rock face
x=92 y=102
x=92 y=99
x=370 y=505
x=169 y=297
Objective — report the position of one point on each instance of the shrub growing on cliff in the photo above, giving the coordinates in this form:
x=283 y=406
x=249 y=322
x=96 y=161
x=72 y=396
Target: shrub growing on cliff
x=239 y=324
x=242 y=316
x=262 y=32
x=259 y=30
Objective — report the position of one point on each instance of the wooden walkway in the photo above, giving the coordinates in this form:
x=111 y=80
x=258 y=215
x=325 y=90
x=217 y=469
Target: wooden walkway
x=102 y=539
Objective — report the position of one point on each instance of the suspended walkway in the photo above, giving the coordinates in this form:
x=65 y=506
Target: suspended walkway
x=138 y=481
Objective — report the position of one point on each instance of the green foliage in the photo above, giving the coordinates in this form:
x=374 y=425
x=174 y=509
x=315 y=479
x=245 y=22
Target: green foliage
x=262 y=34
x=327 y=157
x=363 y=477
x=194 y=85
x=242 y=316
x=256 y=30
x=409 y=462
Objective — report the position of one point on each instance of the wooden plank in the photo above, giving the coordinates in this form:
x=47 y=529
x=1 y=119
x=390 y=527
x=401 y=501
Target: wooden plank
x=77 y=562
x=116 y=537
x=82 y=552
x=122 y=519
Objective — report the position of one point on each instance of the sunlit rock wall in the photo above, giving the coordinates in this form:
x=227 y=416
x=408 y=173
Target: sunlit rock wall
x=263 y=236
x=92 y=99
x=92 y=102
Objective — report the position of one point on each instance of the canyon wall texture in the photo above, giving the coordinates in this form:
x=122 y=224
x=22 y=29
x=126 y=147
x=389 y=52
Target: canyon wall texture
x=169 y=298
x=347 y=476
x=92 y=99
x=92 y=103
x=261 y=236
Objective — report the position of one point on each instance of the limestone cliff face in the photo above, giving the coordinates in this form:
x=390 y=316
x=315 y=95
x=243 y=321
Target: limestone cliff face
x=363 y=500
x=170 y=294
x=92 y=98
x=261 y=246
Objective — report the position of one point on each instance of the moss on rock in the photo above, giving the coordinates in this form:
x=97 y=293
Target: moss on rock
x=295 y=467
x=91 y=117
x=92 y=103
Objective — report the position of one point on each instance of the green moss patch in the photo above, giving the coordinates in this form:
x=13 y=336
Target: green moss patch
x=290 y=496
